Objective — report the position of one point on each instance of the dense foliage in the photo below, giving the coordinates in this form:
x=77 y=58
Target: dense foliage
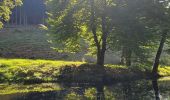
x=80 y=25
x=5 y=9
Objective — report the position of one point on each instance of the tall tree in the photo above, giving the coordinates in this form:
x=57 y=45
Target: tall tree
x=131 y=35
x=80 y=22
x=139 y=23
x=158 y=12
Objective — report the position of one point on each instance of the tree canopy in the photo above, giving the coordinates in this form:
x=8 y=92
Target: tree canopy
x=81 y=24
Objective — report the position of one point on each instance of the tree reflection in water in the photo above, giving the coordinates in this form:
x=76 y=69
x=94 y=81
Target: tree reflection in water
x=100 y=91
x=127 y=90
x=156 y=89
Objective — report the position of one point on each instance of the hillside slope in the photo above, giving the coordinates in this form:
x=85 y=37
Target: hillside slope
x=32 y=43
x=26 y=42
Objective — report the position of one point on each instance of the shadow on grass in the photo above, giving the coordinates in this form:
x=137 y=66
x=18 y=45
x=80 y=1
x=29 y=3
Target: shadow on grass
x=91 y=73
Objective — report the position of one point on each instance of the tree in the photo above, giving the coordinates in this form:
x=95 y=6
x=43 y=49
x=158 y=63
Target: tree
x=131 y=35
x=5 y=9
x=158 y=13
x=158 y=54
x=139 y=23
x=80 y=22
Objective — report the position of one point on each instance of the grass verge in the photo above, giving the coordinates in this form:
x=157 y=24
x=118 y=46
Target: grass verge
x=37 y=71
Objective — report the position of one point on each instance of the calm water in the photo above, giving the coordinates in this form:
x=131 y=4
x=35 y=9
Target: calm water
x=131 y=90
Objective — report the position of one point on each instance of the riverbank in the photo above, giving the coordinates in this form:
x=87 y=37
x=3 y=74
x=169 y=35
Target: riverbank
x=39 y=71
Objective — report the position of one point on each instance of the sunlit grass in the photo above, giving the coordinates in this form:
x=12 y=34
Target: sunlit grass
x=25 y=69
x=28 y=62
x=164 y=70
x=19 y=88
x=165 y=79
x=116 y=66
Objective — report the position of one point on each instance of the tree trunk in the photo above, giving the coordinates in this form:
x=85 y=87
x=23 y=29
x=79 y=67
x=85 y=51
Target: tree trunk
x=24 y=19
x=101 y=48
x=104 y=35
x=100 y=58
x=93 y=26
x=128 y=57
x=158 y=55
x=16 y=16
x=122 y=60
x=20 y=13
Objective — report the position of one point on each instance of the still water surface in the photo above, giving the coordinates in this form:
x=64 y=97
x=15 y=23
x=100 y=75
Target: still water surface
x=129 y=90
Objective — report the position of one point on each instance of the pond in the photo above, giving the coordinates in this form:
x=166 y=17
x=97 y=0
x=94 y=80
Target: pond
x=127 y=90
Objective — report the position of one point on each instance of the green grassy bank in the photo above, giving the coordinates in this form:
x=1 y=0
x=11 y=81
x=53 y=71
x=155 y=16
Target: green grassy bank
x=26 y=42
x=25 y=70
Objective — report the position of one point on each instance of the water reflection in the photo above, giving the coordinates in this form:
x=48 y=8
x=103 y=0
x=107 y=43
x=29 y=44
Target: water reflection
x=100 y=91
x=129 y=90
x=156 y=89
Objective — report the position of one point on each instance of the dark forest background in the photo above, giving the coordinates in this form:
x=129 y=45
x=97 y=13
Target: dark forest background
x=32 y=12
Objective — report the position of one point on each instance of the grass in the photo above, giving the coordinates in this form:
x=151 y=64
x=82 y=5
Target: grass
x=25 y=70
x=164 y=71
x=164 y=78
x=26 y=42
x=18 y=70
x=34 y=71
